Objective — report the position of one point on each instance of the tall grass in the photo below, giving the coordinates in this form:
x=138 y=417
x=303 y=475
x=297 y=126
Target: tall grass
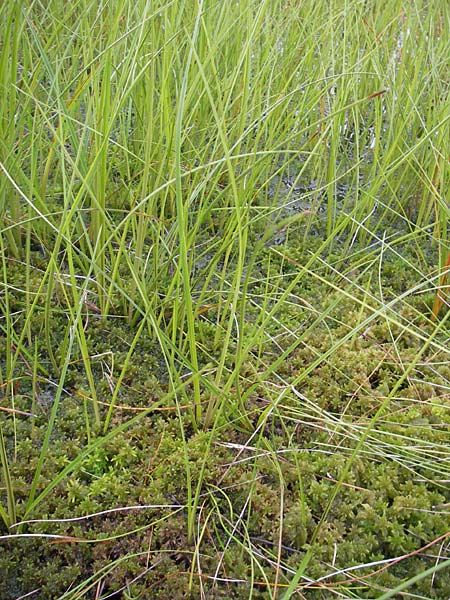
x=154 y=155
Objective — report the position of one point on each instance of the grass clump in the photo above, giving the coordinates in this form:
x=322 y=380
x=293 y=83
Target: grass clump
x=224 y=325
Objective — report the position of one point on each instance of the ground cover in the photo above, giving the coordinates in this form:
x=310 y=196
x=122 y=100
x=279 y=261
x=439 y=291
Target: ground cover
x=224 y=328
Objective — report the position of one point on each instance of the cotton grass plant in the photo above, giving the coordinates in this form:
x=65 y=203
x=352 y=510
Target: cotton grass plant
x=233 y=181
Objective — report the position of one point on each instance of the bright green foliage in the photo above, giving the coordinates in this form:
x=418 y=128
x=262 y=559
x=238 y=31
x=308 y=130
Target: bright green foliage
x=223 y=229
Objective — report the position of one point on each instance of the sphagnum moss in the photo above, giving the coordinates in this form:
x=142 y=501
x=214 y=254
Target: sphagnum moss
x=381 y=510
x=233 y=216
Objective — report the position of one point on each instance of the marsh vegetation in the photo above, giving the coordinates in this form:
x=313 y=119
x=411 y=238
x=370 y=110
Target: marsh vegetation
x=224 y=330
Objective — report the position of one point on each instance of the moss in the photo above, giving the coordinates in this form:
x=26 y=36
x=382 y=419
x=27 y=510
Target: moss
x=387 y=505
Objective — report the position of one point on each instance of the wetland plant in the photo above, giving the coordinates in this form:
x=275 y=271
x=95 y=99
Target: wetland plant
x=224 y=325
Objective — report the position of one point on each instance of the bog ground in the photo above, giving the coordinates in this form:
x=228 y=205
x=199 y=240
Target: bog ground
x=224 y=300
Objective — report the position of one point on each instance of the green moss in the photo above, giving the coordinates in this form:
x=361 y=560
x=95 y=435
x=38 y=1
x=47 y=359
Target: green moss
x=387 y=505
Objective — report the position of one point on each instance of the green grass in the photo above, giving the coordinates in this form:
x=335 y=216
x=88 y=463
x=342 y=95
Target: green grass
x=224 y=326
